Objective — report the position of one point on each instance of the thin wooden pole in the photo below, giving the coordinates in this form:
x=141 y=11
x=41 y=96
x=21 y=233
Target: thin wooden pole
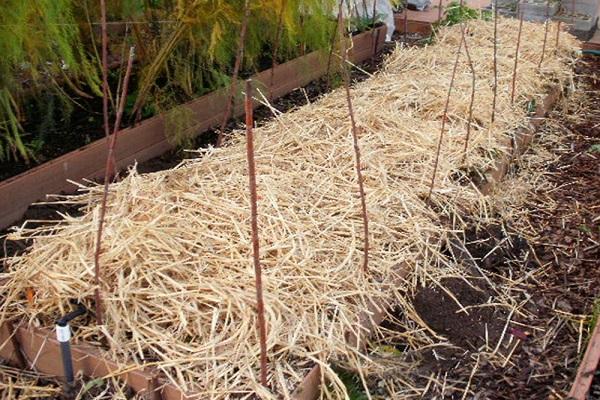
x=495 y=60
x=107 y=174
x=361 y=189
x=444 y=118
x=260 y=306
x=546 y=26
x=473 y=86
x=514 y=77
x=104 y=68
x=373 y=31
x=557 y=37
x=439 y=11
x=276 y=47
x=236 y=71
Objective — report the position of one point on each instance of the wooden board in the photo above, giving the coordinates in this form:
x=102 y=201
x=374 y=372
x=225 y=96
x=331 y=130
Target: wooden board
x=587 y=368
x=148 y=140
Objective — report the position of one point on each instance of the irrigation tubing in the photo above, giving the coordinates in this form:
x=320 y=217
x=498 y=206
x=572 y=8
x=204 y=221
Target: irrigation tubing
x=260 y=306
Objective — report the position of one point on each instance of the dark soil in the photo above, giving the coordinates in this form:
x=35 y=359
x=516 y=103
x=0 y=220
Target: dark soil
x=466 y=329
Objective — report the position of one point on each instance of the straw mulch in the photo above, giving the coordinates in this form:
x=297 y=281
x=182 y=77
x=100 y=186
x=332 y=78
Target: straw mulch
x=15 y=384
x=178 y=282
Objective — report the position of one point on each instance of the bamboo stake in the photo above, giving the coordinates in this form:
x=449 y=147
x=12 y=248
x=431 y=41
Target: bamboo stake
x=236 y=71
x=260 y=306
x=107 y=173
x=373 y=22
x=546 y=25
x=514 y=77
x=361 y=189
x=473 y=84
x=440 y=11
x=444 y=118
x=495 y=60
x=276 y=47
x=557 y=36
x=104 y=68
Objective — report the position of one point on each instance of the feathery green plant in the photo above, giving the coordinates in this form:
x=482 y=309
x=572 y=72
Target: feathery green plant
x=185 y=48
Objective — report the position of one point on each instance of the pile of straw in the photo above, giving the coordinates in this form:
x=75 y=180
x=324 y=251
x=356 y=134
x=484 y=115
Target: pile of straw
x=178 y=282
x=15 y=384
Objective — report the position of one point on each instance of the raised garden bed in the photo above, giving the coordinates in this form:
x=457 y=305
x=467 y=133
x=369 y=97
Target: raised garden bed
x=370 y=319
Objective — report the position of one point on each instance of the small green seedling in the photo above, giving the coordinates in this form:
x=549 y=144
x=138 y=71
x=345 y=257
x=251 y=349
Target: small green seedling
x=353 y=385
x=595 y=148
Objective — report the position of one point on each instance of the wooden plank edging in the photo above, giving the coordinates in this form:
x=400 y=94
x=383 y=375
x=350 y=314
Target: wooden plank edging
x=148 y=140
x=587 y=368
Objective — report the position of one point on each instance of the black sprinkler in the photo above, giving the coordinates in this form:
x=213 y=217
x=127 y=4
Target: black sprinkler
x=63 y=335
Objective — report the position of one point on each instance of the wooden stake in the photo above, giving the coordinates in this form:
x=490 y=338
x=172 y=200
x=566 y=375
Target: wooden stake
x=514 y=77
x=361 y=189
x=107 y=174
x=236 y=72
x=260 y=307
x=374 y=36
x=444 y=118
x=104 y=68
x=546 y=26
x=473 y=84
x=557 y=37
x=439 y=11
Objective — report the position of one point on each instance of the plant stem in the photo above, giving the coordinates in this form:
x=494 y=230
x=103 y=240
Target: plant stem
x=405 y=22
x=276 y=47
x=236 y=71
x=330 y=56
x=514 y=77
x=361 y=189
x=112 y=143
x=260 y=306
